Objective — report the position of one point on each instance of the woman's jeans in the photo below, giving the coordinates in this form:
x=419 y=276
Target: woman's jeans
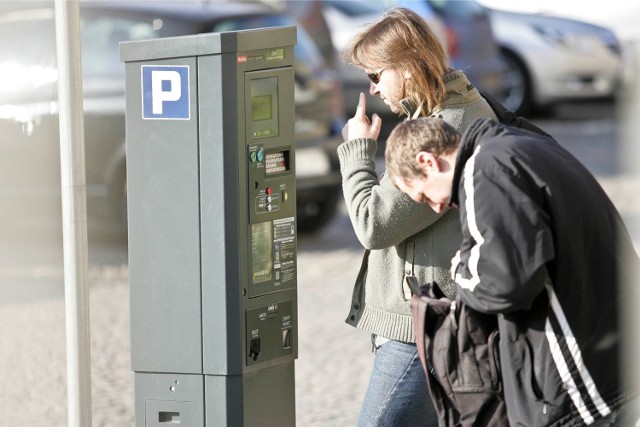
x=397 y=395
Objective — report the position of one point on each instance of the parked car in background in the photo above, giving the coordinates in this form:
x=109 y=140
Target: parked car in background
x=463 y=28
x=552 y=59
x=471 y=44
x=29 y=151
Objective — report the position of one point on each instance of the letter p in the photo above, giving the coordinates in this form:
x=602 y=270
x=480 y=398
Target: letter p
x=165 y=86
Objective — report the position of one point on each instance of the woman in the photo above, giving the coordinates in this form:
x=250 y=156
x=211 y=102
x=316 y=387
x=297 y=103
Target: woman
x=409 y=71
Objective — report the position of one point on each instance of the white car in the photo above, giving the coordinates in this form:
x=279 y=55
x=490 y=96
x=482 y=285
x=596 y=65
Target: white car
x=552 y=59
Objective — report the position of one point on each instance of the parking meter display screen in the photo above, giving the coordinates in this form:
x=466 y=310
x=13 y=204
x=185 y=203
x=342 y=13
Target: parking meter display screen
x=264 y=107
x=261 y=108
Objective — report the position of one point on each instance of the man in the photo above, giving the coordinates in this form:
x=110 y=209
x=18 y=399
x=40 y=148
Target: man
x=541 y=248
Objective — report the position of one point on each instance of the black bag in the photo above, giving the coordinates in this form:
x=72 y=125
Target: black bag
x=510 y=118
x=458 y=348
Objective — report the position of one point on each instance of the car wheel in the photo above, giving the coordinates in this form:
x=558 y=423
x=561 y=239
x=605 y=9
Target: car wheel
x=517 y=88
x=313 y=214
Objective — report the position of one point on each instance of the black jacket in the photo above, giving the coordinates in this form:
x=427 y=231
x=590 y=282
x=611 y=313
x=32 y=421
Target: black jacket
x=541 y=248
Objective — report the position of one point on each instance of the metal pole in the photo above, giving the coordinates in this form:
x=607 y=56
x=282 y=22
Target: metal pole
x=74 y=212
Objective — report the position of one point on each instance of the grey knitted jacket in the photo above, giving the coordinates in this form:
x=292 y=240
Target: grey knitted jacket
x=400 y=236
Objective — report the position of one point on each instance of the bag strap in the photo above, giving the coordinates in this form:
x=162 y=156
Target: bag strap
x=419 y=308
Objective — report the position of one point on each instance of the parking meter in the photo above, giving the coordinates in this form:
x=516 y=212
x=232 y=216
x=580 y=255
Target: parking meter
x=212 y=228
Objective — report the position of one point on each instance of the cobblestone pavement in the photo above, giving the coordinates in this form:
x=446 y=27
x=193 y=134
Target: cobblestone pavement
x=331 y=371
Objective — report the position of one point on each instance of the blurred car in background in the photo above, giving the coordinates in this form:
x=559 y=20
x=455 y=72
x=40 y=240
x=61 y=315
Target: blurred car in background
x=552 y=59
x=463 y=28
x=471 y=44
x=29 y=152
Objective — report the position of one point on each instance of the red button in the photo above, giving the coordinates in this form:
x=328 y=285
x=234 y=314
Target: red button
x=269 y=190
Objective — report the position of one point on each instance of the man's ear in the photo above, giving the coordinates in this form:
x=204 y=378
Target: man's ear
x=406 y=74
x=427 y=162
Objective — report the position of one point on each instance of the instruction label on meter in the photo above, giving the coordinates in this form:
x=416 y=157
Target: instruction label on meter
x=261 y=252
x=284 y=250
x=273 y=252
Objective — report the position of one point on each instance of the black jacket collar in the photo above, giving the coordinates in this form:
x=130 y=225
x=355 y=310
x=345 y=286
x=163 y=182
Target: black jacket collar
x=468 y=142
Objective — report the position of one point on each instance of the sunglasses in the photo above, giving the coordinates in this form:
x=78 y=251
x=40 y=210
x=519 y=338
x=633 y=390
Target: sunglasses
x=375 y=76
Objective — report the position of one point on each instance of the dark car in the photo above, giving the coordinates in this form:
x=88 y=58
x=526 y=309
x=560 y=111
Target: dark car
x=463 y=27
x=29 y=151
x=472 y=46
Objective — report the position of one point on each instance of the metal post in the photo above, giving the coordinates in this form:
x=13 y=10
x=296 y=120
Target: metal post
x=74 y=212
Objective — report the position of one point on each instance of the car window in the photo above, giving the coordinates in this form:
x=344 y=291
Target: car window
x=101 y=36
x=27 y=51
x=305 y=50
x=104 y=28
x=356 y=8
x=28 y=47
x=421 y=7
x=458 y=9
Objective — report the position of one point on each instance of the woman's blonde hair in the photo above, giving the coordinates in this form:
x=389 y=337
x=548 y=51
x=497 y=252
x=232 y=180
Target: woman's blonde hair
x=401 y=39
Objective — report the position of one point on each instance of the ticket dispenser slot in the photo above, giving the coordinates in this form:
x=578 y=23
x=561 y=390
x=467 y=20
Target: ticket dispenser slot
x=212 y=228
x=169 y=414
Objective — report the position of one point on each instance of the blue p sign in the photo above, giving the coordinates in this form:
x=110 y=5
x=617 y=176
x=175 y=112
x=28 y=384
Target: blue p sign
x=165 y=92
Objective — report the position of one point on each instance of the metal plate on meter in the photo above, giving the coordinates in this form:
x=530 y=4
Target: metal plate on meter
x=270 y=158
x=269 y=332
x=273 y=255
